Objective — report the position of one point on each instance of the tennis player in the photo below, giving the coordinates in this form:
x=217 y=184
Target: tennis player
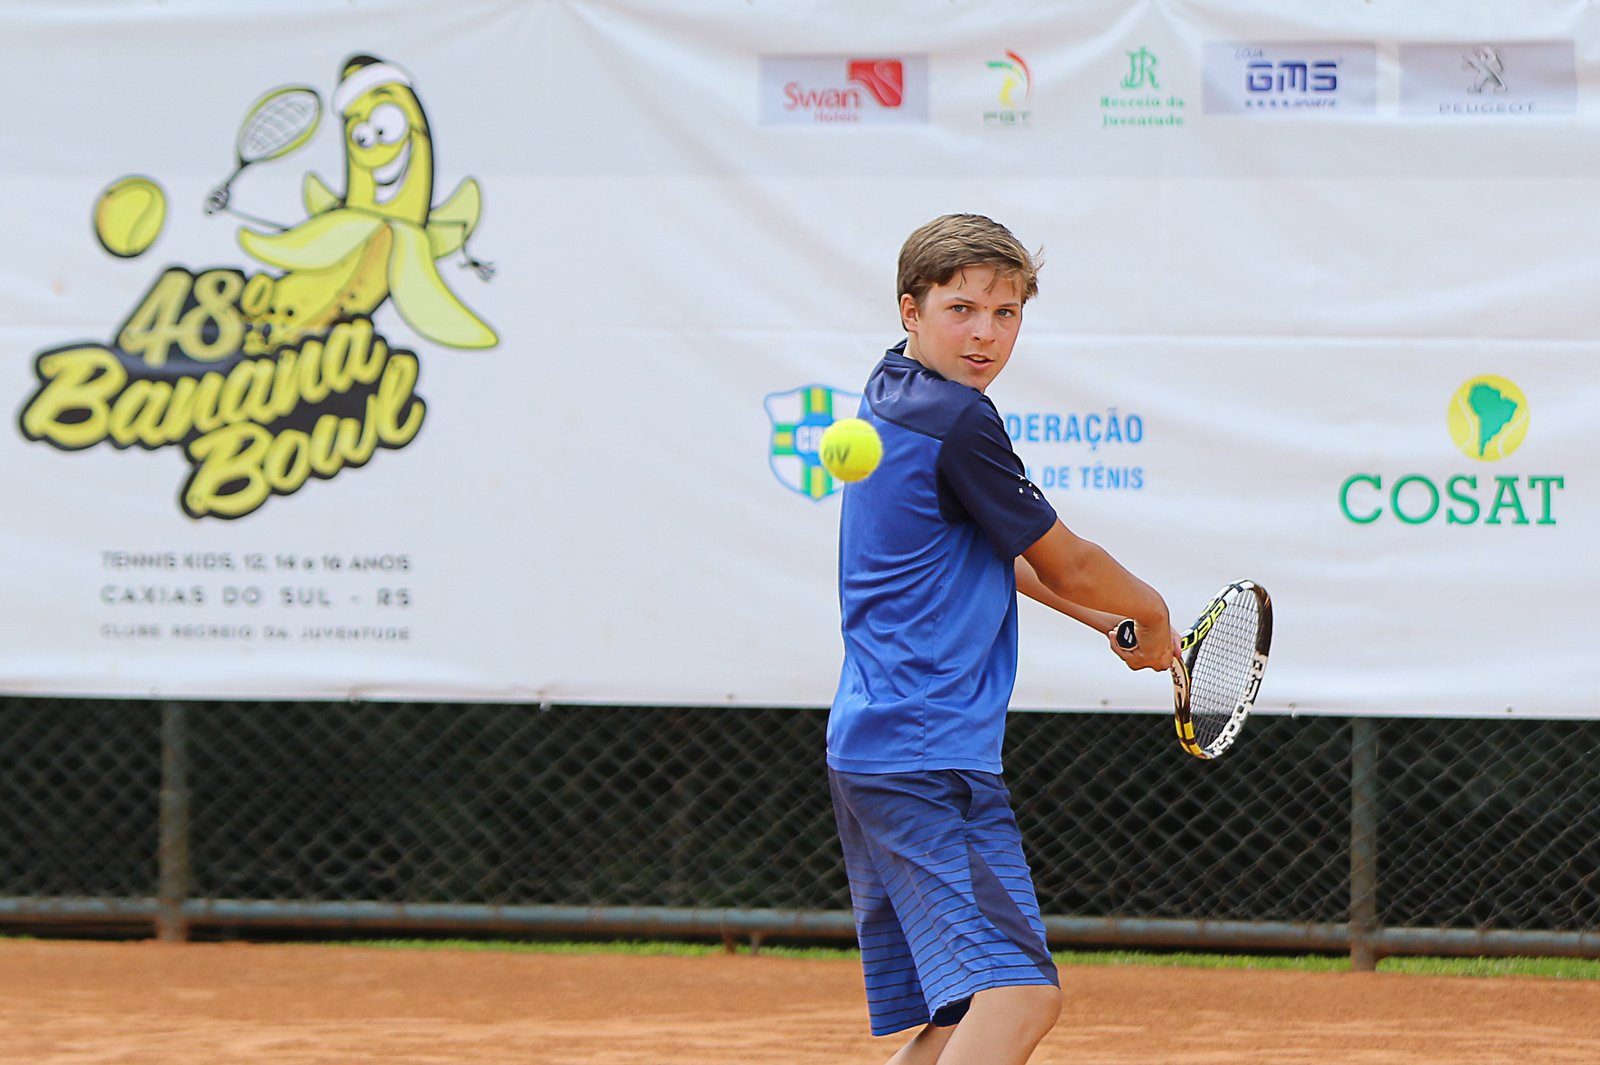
x=933 y=548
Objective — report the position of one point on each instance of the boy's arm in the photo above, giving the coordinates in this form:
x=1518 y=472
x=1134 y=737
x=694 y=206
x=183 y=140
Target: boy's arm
x=1080 y=579
x=1029 y=584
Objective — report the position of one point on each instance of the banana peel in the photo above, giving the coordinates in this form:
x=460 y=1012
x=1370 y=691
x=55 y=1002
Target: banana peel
x=345 y=261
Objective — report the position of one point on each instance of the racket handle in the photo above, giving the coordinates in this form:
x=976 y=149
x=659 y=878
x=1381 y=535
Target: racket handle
x=1127 y=634
x=218 y=200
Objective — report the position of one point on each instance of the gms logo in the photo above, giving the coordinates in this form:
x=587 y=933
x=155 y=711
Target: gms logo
x=266 y=379
x=1016 y=87
x=1307 y=77
x=839 y=90
x=1488 y=420
x=799 y=417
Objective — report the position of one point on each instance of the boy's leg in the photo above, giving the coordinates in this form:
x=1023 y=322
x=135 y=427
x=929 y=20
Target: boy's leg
x=925 y=1048
x=1002 y=1027
x=942 y=869
x=895 y=998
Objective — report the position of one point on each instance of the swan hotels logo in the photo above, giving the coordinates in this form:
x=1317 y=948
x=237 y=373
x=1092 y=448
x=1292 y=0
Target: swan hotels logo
x=1487 y=419
x=842 y=90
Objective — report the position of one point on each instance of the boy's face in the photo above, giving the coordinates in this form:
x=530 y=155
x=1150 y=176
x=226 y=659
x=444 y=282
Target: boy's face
x=965 y=329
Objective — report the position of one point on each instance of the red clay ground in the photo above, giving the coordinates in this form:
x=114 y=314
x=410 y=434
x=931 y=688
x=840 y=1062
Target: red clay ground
x=71 y=1003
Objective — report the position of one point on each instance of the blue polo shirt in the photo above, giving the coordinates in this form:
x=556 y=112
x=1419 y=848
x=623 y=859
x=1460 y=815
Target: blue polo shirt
x=927 y=590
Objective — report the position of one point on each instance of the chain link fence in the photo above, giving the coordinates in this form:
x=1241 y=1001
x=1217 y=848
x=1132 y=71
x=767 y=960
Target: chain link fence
x=1378 y=836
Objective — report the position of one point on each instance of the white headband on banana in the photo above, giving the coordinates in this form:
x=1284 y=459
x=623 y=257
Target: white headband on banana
x=358 y=81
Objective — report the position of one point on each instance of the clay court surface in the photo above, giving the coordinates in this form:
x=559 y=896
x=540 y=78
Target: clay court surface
x=72 y=1003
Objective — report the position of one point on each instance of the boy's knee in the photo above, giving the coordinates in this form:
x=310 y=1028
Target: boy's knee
x=1047 y=1004
x=1038 y=1008
x=1035 y=1007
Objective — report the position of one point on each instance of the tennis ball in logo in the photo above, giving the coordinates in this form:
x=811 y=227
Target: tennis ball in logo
x=1488 y=418
x=129 y=215
x=850 y=449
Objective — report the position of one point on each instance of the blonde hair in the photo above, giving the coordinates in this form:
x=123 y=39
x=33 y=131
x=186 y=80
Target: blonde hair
x=937 y=250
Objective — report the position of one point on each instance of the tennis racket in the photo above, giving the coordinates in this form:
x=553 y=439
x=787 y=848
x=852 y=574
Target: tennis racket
x=277 y=124
x=1216 y=677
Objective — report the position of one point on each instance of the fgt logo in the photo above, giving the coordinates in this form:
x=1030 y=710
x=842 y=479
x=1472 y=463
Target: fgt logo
x=1017 y=80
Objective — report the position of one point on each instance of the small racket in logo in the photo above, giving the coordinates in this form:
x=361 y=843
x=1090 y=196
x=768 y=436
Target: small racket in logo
x=277 y=124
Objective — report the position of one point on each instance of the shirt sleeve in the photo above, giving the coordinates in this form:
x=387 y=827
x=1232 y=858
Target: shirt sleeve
x=982 y=479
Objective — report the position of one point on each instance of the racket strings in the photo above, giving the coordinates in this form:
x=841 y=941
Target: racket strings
x=278 y=124
x=1222 y=665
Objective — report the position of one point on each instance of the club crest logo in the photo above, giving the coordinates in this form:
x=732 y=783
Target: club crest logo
x=799 y=417
x=267 y=377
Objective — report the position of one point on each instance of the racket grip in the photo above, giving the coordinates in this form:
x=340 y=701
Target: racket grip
x=1127 y=634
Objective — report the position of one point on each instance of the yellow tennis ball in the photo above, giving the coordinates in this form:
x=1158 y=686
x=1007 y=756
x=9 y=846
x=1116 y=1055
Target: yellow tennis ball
x=129 y=215
x=850 y=449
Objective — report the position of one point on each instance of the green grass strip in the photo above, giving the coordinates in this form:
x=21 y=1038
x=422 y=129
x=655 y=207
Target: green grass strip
x=1549 y=968
x=1545 y=968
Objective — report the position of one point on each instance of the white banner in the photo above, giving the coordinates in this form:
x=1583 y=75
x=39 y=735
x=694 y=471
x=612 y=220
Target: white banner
x=479 y=351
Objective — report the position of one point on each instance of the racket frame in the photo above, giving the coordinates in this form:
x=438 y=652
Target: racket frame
x=1189 y=650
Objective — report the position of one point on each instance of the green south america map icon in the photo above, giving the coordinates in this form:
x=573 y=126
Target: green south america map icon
x=1488 y=418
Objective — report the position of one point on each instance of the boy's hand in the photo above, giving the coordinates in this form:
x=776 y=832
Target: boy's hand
x=1149 y=649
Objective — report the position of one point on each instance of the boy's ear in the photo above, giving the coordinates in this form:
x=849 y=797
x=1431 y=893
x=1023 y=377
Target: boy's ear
x=908 y=310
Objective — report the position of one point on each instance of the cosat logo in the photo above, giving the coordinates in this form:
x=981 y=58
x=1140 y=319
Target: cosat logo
x=799 y=417
x=265 y=380
x=1141 y=102
x=1488 y=420
x=1016 y=88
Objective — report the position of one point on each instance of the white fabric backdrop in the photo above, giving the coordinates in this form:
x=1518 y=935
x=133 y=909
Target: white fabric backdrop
x=693 y=211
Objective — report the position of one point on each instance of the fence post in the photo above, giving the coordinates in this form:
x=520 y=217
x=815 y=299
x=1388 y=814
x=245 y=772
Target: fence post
x=1363 y=844
x=173 y=849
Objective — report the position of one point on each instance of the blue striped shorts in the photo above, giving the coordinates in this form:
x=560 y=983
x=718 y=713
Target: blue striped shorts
x=944 y=904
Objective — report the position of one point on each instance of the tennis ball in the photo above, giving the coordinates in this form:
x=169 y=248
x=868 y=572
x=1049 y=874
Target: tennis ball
x=850 y=449
x=129 y=215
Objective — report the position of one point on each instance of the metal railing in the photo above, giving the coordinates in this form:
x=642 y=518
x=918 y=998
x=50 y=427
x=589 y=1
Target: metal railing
x=1376 y=837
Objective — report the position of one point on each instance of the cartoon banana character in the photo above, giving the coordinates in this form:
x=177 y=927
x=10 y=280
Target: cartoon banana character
x=380 y=241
